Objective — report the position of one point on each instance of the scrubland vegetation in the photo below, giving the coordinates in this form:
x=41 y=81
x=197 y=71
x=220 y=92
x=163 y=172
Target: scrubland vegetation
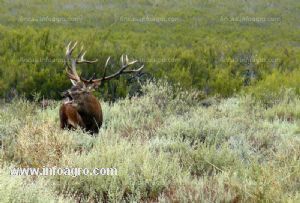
x=211 y=45
x=167 y=146
x=222 y=124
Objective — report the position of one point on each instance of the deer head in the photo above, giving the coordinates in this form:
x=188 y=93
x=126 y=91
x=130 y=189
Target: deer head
x=80 y=107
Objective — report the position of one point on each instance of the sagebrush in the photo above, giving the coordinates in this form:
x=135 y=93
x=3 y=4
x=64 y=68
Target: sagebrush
x=167 y=146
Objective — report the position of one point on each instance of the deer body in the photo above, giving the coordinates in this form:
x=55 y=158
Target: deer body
x=81 y=109
x=69 y=117
x=85 y=113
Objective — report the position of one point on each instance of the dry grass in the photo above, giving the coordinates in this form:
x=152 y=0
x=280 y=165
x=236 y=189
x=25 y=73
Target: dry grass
x=166 y=146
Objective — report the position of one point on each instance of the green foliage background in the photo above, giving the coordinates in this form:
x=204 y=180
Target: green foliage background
x=197 y=45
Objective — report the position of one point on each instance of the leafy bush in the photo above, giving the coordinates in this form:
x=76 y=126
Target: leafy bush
x=272 y=89
x=218 y=53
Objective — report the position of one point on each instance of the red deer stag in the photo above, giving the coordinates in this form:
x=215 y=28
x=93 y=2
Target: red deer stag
x=81 y=109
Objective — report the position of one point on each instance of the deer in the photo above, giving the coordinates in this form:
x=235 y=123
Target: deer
x=80 y=108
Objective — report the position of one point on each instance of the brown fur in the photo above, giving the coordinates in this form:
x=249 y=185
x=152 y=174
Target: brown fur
x=83 y=111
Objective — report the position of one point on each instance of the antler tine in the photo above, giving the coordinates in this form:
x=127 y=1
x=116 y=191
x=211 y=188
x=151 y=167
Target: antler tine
x=107 y=60
x=132 y=62
x=73 y=66
x=68 y=54
x=121 y=70
x=72 y=49
x=80 y=52
x=71 y=70
x=81 y=59
x=68 y=47
x=126 y=59
x=134 y=71
x=71 y=76
x=69 y=50
x=122 y=60
x=105 y=67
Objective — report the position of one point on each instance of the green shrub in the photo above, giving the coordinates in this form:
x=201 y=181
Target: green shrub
x=20 y=189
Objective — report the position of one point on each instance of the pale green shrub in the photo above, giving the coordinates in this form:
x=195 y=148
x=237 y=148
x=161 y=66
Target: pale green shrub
x=142 y=173
x=167 y=145
x=22 y=189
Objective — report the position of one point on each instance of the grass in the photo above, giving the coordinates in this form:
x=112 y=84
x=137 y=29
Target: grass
x=167 y=146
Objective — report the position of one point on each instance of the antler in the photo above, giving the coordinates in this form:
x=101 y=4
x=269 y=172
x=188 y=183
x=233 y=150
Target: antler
x=125 y=63
x=72 y=62
x=71 y=69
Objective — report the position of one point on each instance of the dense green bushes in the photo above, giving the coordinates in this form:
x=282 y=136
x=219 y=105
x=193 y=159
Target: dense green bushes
x=271 y=88
x=198 y=44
